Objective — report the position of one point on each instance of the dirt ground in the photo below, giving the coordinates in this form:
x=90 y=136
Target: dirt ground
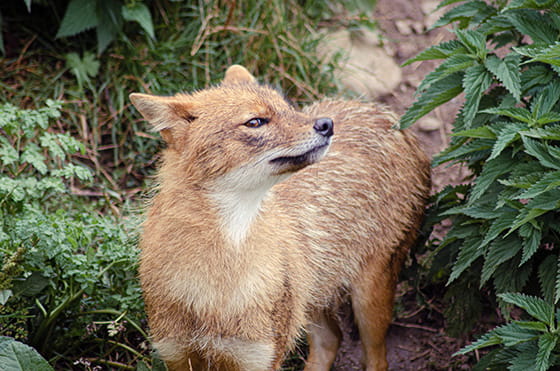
x=416 y=340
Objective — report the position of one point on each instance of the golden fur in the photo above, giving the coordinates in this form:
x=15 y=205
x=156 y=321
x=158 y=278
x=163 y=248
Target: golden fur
x=252 y=236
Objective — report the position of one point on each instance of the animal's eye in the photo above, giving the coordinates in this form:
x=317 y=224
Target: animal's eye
x=256 y=122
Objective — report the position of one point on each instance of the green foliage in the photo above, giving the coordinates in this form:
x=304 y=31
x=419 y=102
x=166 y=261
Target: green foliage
x=505 y=233
x=106 y=16
x=531 y=344
x=33 y=162
x=65 y=268
x=16 y=356
x=84 y=68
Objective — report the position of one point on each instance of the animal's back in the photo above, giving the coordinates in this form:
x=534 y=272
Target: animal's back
x=364 y=200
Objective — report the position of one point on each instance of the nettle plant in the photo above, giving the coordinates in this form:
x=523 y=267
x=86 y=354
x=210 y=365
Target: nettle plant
x=504 y=238
x=66 y=271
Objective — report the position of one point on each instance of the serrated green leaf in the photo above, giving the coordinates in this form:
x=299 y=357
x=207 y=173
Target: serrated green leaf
x=524 y=181
x=530 y=50
x=549 y=200
x=507 y=72
x=551 y=132
x=71 y=170
x=547 y=343
x=50 y=142
x=79 y=16
x=534 y=306
x=441 y=51
x=504 y=281
x=490 y=172
x=532 y=325
x=511 y=334
x=475 y=82
x=464 y=232
x=486 y=340
x=468 y=253
x=8 y=154
x=550 y=55
x=469 y=9
x=506 y=136
x=69 y=144
x=437 y=94
x=547 y=277
x=531 y=241
x=447 y=2
x=84 y=69
x=534 y=24
x=554 y=151
x=500 y=27
x=16 y=356
x=477 y=211
x=453 y=64
x=548 y=118
x=542 y=152
x=139 y=12
x=54 y=184
x=480 y=132
x=500 y=224
x=463 y=151
x=522 y=356
x=109 y=22
x=516 y=113
x=474 y=41
x=32 y=155
x=547 y=182
x=11 y=188
x=507 y=197
x=544 y=103
x=530 y=4
x=535 y=75
x=499 y=251
x=527 y=215
x=536 y=207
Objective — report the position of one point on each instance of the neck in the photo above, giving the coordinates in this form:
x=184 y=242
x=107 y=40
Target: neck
x=239 y=207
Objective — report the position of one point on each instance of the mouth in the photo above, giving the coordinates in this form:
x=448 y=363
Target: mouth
x=306 y=158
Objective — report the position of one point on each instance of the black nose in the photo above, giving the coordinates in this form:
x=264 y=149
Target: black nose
x=324 y=126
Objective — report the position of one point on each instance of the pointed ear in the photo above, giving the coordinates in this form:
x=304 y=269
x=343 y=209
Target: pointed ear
x=163 y=112
x=237 y=74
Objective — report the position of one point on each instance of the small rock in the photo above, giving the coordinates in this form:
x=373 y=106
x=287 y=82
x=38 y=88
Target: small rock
x=429 y=124
x=428 y=6
x=403 y=26
x=407 y=49
x=365 y=68
x=429 y=9
x=418 y=27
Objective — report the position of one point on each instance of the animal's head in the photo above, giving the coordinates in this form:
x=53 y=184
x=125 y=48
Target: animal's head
x=239 y=130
